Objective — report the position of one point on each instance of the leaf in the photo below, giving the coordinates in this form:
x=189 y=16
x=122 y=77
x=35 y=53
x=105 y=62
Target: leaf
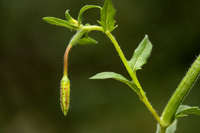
x=87 y=40
x=83 y=9
x=107 y=16
x=141 y=54
x=110 y=75
x=170 y=129
x=185 y=110
x=69 y=18
x=116 y=76
x=59 y=22
x=67 y=15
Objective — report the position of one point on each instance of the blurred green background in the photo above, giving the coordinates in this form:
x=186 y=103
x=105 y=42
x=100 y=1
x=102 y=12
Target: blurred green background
x=31 y=67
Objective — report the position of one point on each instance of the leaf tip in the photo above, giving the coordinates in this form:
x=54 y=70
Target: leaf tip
x=92 y=77
x=44 y=18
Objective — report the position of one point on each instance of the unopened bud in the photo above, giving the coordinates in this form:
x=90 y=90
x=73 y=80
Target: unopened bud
x=65 y=94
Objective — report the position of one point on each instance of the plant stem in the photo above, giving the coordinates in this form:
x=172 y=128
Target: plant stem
x=72 y=42
x=181 y=92
x=66 y=56
x=77 y=36
x=132 y=74
x=92 y=28
x=162 y=129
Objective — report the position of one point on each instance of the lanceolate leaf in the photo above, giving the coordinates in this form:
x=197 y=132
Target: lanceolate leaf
x=185 y=110
x=107 y=16
x=59 y=22
x=170 y=129
x=141 y=54
x=116 y=76
x=110 y=75
x=85 y=8
x=87 y=40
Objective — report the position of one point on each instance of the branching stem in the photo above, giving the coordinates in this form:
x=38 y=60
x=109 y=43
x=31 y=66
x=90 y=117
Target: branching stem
x=174 y=102
x=177 y=98
x=132 y=74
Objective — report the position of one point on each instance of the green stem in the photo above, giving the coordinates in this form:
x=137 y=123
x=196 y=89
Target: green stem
x=132 y=74
x=162 y=129
x=92 y=28
x=77 y=36
x=181 y=92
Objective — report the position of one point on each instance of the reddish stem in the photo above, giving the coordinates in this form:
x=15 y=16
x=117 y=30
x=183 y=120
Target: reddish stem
x=66 y=59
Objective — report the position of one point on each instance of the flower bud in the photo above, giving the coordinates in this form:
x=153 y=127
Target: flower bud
x=65 y=94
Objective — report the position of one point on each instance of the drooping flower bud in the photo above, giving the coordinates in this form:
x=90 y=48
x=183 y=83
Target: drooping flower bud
x=65 y=94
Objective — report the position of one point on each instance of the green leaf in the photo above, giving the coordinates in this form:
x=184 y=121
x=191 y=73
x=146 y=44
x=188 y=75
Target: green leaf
x=107 y=16
x=87 y=40
x=170 y=129
x=116 y=76
x=141 y=54
x=67 y=15
x=83 y=9
x=69 y=18
x=185 y=110
x=59 y=22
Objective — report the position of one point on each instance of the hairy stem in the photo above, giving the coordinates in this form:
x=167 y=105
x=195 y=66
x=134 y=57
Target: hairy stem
x=181 y=92
x=132 y=74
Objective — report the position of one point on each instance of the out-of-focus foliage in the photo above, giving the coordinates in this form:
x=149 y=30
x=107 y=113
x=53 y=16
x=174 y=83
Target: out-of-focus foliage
x=31 y=54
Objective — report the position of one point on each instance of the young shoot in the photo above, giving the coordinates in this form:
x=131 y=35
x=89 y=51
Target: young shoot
x=174 y=109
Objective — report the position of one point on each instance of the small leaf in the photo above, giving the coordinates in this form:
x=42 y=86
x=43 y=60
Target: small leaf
x=108 y=75
x=107 y=16
x=141 y=54
x=185 y=110
x=59 y=22
x=170 y=129
x=69 y=18
x=116 y=76
x=83 y=9
x=67 y=15
x=87 y=40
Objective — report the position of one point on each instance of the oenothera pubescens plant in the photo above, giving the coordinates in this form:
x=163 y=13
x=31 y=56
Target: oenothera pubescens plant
x=174 y=109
